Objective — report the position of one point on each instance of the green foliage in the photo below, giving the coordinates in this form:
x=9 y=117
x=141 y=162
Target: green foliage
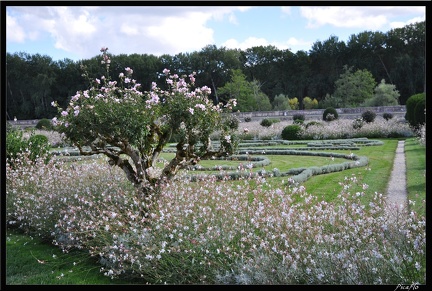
x=353 y=89
x=330 y=101
x=368 y=116
x=266 y=122
x=387 y=115
x=298 y=116
x=291 y=132
x=248 y=94
x=294 y=103
x=411 y=104
x=281 y=102
x=330 y=114
x=261 y=100
x=309 y=103
x=14 y=143
x=385 y=95
x=420 y=113
x=44 y=124
x=37 y=146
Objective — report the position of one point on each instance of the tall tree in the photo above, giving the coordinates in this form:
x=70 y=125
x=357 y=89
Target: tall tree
x=215 y=65
x=384 y=95
x=354 y=88
x=238 y=88
x=260 y=63
x=327 y=58
x=406 y=47
x=366 y=51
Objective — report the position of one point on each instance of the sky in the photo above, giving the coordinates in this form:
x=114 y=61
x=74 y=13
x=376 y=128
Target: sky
x=79 y=32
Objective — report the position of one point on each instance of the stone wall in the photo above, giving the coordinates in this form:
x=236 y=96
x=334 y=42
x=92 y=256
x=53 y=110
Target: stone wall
x=351 y=113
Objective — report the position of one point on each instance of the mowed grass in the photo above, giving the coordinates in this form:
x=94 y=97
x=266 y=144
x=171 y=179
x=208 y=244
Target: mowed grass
x=31 y=261
x=415 y=155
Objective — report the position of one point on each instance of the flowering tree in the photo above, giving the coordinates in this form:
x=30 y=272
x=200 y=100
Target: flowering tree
x=132 y=127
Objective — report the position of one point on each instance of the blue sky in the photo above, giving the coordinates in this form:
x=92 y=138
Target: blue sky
x=78 y=32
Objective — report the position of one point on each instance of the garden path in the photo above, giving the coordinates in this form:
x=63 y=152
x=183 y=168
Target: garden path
x=397 y=195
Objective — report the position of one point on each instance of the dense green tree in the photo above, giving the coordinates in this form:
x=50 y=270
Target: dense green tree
x=215 y=65
x=330 y=101
x=367 y=49
x=354 y=88
x=285 y=74
x=384 y=95
x=69 y=80
x=281 y=102
x=260 y=64
x=29 y=83
x=262 y=101
x=302 y=77
x=406 y=50
x=15 y=85
x=309 y=103
x=327 y=58
x=241 y=90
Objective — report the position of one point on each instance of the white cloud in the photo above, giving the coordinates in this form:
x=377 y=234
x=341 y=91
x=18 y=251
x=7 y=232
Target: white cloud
x=248 y=43
x=124 y=29
x=190 y=34
x=299 y=44
x=399 y=24
x=373 y=17
x=71 y=29
x=14 y=31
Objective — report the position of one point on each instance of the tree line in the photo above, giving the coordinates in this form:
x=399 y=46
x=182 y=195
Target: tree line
x=262 y=73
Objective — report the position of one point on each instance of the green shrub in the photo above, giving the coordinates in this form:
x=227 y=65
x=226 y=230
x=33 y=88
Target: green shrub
x=266 y=122
x=291 y=132
x=44 y=124
x=410 y=107
x=420 y=113
x=369 y=116
x=298 y=116
x=39 y=146
x=387 y=116
x=14 y=142
x=298 y=121
x=36 y=145
x=274 y=120
x=330 y=114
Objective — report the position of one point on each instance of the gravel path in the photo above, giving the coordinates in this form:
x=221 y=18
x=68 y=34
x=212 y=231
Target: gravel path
x=397 y=189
